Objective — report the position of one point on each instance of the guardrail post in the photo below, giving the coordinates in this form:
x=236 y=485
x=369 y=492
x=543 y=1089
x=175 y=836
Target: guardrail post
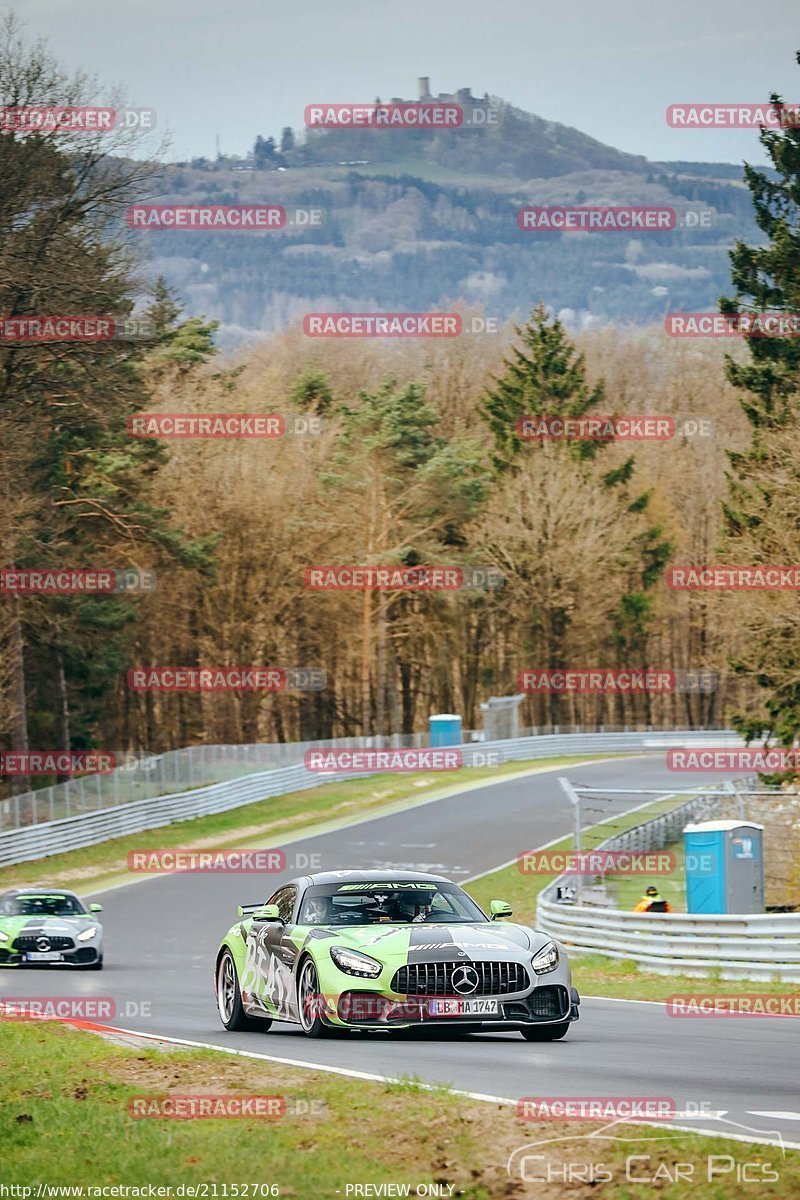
x=575 y=800
x=733 y=789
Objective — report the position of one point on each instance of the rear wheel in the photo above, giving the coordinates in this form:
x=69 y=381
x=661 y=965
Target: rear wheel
x=545 y=1033
x=309 y=1001
x=229 y=998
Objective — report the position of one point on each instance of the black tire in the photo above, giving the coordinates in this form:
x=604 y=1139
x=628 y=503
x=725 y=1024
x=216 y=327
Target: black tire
x=308 y=1001
x=229 y=998
x=545 y=1033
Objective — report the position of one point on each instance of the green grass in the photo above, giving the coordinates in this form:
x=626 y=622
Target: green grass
x=65 y=1121
x=628 y=890
x=595 y=975
x=278 y=816
x=420 y=168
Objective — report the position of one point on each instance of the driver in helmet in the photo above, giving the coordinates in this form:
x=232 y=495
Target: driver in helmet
x=412 y=909
x=315 y=911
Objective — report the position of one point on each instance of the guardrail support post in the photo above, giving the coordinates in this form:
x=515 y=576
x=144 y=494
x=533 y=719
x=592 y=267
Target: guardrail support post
x=733 y=789
x=575 y=800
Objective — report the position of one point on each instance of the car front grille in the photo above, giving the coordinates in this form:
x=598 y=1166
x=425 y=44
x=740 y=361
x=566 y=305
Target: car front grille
x=28 y=941
x=436 y=979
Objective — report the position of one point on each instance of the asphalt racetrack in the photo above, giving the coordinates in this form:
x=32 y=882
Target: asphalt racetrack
x=162 y=934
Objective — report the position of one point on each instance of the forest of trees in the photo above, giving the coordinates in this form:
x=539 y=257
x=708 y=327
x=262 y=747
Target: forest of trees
x=417 y=462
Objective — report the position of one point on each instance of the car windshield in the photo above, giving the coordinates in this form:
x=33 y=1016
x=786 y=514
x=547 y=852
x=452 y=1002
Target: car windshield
x=46 y=904
x=397 y=902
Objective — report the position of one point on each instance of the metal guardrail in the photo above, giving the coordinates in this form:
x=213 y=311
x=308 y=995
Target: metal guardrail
x=141 y=776
x=757 y=946
x=42 y=840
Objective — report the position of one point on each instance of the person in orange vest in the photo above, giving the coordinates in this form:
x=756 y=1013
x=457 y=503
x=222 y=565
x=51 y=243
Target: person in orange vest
x=651 y=901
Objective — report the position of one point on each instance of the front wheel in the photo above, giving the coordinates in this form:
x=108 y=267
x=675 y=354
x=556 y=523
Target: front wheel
x=309 y=1001
x=545 y=1033
x=229 y=998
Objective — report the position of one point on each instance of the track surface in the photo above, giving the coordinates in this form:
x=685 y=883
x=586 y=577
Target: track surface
x=162 y=935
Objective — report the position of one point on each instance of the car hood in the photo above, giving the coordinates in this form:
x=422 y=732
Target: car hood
x=55 y=926
x=439 y=943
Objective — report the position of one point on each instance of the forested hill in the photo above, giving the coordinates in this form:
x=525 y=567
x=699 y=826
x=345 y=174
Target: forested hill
x=415 y=220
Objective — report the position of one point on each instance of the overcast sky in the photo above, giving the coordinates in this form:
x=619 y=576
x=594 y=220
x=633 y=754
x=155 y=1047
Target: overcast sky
x=235 y=68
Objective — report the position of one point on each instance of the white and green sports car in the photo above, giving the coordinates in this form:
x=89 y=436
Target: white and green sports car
x=389 y=949
x=44 y=926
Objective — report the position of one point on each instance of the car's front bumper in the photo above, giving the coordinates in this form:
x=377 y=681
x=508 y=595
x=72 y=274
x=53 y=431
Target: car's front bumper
x=79 y=956
x=543 y=1005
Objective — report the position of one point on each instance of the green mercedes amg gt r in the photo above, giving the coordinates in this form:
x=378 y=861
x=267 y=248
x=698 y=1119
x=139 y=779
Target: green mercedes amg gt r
x=376 y=950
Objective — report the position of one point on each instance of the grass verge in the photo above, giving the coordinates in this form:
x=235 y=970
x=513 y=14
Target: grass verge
x=65 y=1121
x=274 y=818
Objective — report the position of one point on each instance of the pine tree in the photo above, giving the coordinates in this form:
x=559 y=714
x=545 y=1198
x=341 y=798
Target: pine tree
x=764 y=480
x=544 y=377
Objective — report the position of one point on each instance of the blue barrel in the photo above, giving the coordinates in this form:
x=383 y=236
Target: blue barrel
x=445 y=729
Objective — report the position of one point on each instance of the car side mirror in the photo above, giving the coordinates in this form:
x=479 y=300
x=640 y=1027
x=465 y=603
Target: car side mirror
x=95 y=908
x=267 y=912
x=500 y=908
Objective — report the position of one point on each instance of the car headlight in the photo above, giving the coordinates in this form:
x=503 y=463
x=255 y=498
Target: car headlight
x=3 y=936
x=87 y=934
x=353 y=962
x=546 y=960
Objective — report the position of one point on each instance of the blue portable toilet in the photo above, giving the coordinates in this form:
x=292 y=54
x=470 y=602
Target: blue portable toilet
x=445 y=729
x=724 y=867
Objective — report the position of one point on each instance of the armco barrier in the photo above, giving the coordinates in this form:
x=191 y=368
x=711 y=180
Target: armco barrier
x=87 y=829
x=758 y=946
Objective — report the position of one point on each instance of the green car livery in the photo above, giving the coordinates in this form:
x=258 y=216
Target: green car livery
x=389 y=949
